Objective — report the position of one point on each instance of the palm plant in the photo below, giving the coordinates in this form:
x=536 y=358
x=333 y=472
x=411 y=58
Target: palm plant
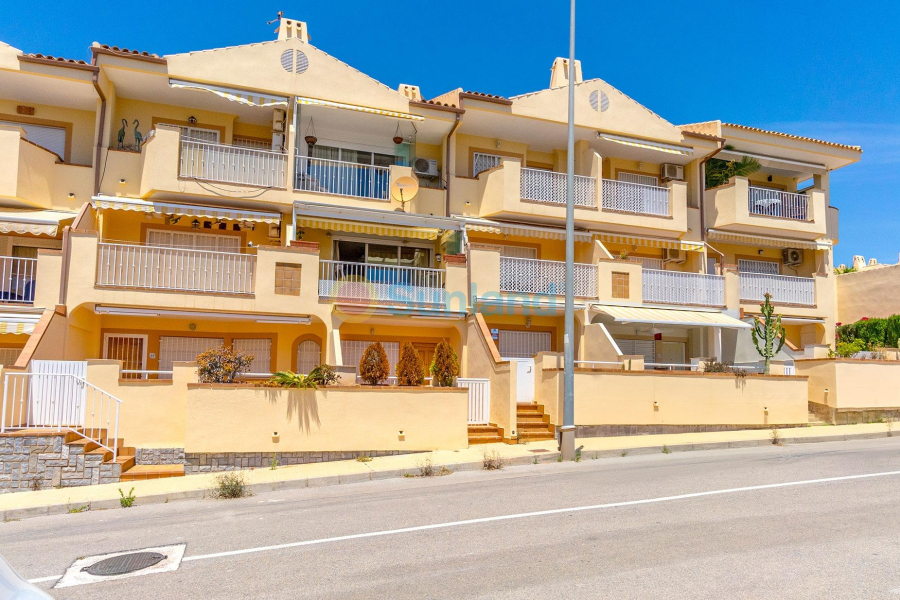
x=719 y=171
x=290 y=379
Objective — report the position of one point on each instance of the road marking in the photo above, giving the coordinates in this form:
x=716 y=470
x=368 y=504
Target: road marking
x=539 y=513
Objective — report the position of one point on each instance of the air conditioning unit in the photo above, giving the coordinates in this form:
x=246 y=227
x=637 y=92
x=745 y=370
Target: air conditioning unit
x=277 y=142
x=279 y=118
x=426 y=167
x=669 y=172
x=674 y=255
x=792 y=256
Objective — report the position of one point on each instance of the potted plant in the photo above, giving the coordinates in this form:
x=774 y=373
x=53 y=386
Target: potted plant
x=373 y=365
x=444 y=365
x=410 y=368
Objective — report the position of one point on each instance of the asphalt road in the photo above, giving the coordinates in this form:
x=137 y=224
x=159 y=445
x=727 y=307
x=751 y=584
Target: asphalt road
x=824 y=539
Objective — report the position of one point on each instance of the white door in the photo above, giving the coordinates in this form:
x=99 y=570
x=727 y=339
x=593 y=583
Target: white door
x=524 y=379
x=670 y=353
x=57 y=393
x=520 y=347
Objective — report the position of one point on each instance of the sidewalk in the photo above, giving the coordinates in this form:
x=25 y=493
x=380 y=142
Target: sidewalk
x=57 y=501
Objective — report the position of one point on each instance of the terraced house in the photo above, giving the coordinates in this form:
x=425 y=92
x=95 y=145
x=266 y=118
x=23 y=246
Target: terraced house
x=274 y=199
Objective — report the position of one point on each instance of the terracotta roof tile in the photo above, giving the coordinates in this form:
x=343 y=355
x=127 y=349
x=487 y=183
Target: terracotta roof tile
x=127 y=51
x=791 y=136
x=71 y=61
x=436 y=103
x=494 y=96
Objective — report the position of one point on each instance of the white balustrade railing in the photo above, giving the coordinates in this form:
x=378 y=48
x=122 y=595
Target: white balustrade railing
x=341 y=178
x=540 y=185
x=675 y=287
x=17 y=279
x=775 y=203
x=635 y=198
x=232 y=164
x=380 y=284
x=479 y=399
x=784 y=289
x=175 y=269
x=60 y=401
x=533 y=276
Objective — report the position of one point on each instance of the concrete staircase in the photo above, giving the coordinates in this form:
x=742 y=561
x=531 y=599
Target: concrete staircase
x=485 y=434
x=533 y=423
x=125 y=458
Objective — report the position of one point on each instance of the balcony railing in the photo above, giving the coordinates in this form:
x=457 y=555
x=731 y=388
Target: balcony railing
x=232 y=164
x=532 y=276
x=376 y=284
x=784 y=289
x=17 y=279
x=775 y=203
x=675 y=287
x=175 y=269
x=550 y=187
x=341 y=178
x=635 y=198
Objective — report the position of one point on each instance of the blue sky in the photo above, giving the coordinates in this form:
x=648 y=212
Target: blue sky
x=824 y=69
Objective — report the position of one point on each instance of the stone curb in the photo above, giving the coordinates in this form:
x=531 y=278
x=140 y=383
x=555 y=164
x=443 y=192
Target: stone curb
x=16 y=514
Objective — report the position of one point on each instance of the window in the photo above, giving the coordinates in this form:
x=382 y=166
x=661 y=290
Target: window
x=198 y=134
x=130 y=348
x=388 y=255
x=766 y=267
x=360 y=157
x=287 y=279
x=9 y=356
x=518 y=251
x=352 y=351
x=189 y=239
x=249 y=142
x=650 y=263
x=483 y=162
x=523 y=344
x=309 y=356
x=647 y=348
x=25 y=251
x=49 y=138
x=260 y=349
x=638 y=178
x=620 y=285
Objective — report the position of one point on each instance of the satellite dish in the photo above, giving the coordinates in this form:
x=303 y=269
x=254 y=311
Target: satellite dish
x=404 y=189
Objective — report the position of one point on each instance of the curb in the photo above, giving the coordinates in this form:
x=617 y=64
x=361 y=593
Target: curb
x=16 y=514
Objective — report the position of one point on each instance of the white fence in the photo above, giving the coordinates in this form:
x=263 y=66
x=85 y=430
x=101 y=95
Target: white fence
x=533 y=276
x=775 y=203
x=17 y=279
x=479 y=399
x=540 y=185
x=784 y=289
x=175 y=269
x=232 y=164
x=376 y=283
x=674 y=287
x=635 y=198
x=341 y=178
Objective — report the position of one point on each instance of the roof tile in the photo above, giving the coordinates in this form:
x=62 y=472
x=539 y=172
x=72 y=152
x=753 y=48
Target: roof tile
x=791 y=136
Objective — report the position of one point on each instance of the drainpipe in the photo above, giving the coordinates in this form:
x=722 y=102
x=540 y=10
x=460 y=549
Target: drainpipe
x=447 y=166
x=95 y=80
x=703 y=196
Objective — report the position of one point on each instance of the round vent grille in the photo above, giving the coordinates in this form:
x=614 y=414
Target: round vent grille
x=294 y=61
x=599 y=101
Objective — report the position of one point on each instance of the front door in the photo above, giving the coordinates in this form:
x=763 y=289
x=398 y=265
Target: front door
x=520 y=347
x=130 y=348
x=670 y=353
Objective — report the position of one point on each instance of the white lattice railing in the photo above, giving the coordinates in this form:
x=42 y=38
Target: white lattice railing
x=784 y=289
x=550 y=187
x=17 y=279
x=232 y=164
x=675 y=287
x=378 y=284
x=775 y=203
x=341 y=178
x=174 y=269
x=532 y=276
x=479 y=399
x=635 y=198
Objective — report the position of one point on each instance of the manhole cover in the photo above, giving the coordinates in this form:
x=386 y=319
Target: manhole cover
x=125 y=563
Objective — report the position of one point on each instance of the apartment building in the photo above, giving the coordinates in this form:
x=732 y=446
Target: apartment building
x=273 y=198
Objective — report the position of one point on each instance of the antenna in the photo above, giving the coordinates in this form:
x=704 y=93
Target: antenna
x=278 y=18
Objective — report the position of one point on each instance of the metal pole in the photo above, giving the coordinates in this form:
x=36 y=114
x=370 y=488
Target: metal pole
x=567 y=431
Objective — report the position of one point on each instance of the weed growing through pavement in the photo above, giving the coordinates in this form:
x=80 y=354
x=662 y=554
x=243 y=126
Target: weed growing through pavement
x=273 y=464
x=665 y=449
x=559 y=458
x=492 y=461
x=577 y=455
x=230 y=485
x=889 y=423
x=363 y=458
x=427 y=469
x=624 y=452
x=78 y=509
x=776 y=437
x=126 y=501
x=35 y=485
x=534 y=462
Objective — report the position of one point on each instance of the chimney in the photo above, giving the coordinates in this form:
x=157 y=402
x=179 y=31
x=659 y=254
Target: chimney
x=559 y=73
x=859 y=262
x=290 y=28
x=410 y=91
x=873 y=262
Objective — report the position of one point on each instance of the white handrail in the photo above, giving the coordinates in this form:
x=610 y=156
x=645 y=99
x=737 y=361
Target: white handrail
x=341 y=178
x=784 y=288
x=175 y=269
x=479 y=399
x=380 y=283
x=635 y=198
x=776 y=203
x=541 y=185
x=232 y=164
x=677 y=287
x=17 y=279
x=535 y=276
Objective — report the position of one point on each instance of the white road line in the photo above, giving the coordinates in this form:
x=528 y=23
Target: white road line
x=539 y=513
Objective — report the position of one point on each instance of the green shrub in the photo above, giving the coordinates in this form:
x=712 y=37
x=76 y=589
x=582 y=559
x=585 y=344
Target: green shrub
x=222 y=365
x=290 y=379
x=444 y=365
x=410 y=368
x=848 y=349
x=230 y=485
x=323 y=375
x=374 y=366
x=873 y=333
x=127 y=501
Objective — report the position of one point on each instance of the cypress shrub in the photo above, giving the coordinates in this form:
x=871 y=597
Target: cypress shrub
x=444 y=365
x=873 y=333
x=374 y=366
x=410 y=368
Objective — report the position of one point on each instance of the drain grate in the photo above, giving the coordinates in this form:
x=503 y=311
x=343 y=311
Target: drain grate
x=124 y=563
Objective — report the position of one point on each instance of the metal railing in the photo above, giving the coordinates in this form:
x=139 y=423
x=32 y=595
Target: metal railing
x=60 y=401
x=479 y=399
x=635 y=198
x=341 y=178
x=232 y=164
x=775 y=203
x=377 y=283
x=784 y=289
x=675 y=287
x=540 y=185
x=17 y=279
x=174 y=269
x=533 y=276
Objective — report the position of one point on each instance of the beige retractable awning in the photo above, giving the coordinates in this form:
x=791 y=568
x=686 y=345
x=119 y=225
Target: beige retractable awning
x=667 y=316
x=750 y=239
x=18 y=323
x=34 y=222
x=521 y=229
x=302 y=100
x=633 y=240
x=250 y=98
x=187 y=210
x=647 y=144
x=419 y=233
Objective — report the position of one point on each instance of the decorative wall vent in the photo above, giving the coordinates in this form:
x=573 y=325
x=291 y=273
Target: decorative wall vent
x=294 y=61
x=599 y=100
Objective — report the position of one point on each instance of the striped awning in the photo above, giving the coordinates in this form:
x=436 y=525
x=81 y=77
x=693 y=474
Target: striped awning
x=646 y=242
x=243 y=96
x=34 y=222
x=749 y=239
x=646 y=144
x=366 y=109
x=523 y=230
x=18 y=323
x=419 y=233
x=186 y=210
x=667 y=316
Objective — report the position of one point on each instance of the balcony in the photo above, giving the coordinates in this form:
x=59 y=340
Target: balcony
x=549 y=187
x=128 y=266
x=221 y=163
x=341 y=178
x=775 y=203
x=684 y=289
x=17 y=280
x=622 y=196
x=797 y=291
x=378 y=284
x=545 y=277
